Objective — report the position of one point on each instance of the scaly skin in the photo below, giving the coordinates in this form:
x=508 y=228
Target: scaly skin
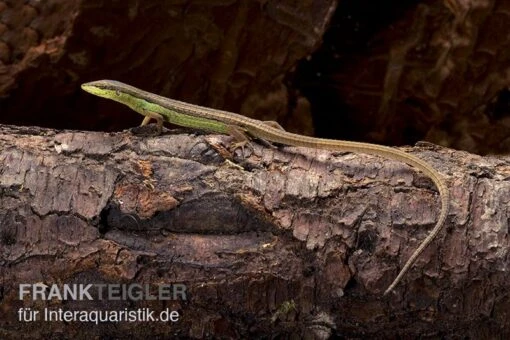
x=183 y=114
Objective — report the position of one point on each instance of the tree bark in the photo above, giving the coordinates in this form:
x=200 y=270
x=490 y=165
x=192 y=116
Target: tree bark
x=287 y=241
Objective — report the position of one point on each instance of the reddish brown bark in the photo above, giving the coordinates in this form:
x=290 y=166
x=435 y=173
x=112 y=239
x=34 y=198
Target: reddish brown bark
x=290 y=242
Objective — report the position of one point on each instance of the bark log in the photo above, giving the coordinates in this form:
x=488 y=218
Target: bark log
x=287 y=241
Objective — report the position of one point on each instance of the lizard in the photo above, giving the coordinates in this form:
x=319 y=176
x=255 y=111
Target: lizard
x=242 y=128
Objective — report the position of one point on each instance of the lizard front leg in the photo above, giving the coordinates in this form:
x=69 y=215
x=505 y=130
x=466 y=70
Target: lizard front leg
x=153 y=115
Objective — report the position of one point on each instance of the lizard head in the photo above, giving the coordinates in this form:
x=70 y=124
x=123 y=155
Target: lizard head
x=106 y=88
x=115 y=90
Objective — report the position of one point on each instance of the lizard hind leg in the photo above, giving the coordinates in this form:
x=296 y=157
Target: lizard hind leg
x=274 y=124
x=241 y=138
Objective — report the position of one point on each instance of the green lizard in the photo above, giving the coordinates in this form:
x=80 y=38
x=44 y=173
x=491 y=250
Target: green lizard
x=152 y=106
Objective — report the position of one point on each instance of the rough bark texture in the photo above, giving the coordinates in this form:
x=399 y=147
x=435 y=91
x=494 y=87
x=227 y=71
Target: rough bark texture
x=289 y=242
x=422 y=70
x=296 y=242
